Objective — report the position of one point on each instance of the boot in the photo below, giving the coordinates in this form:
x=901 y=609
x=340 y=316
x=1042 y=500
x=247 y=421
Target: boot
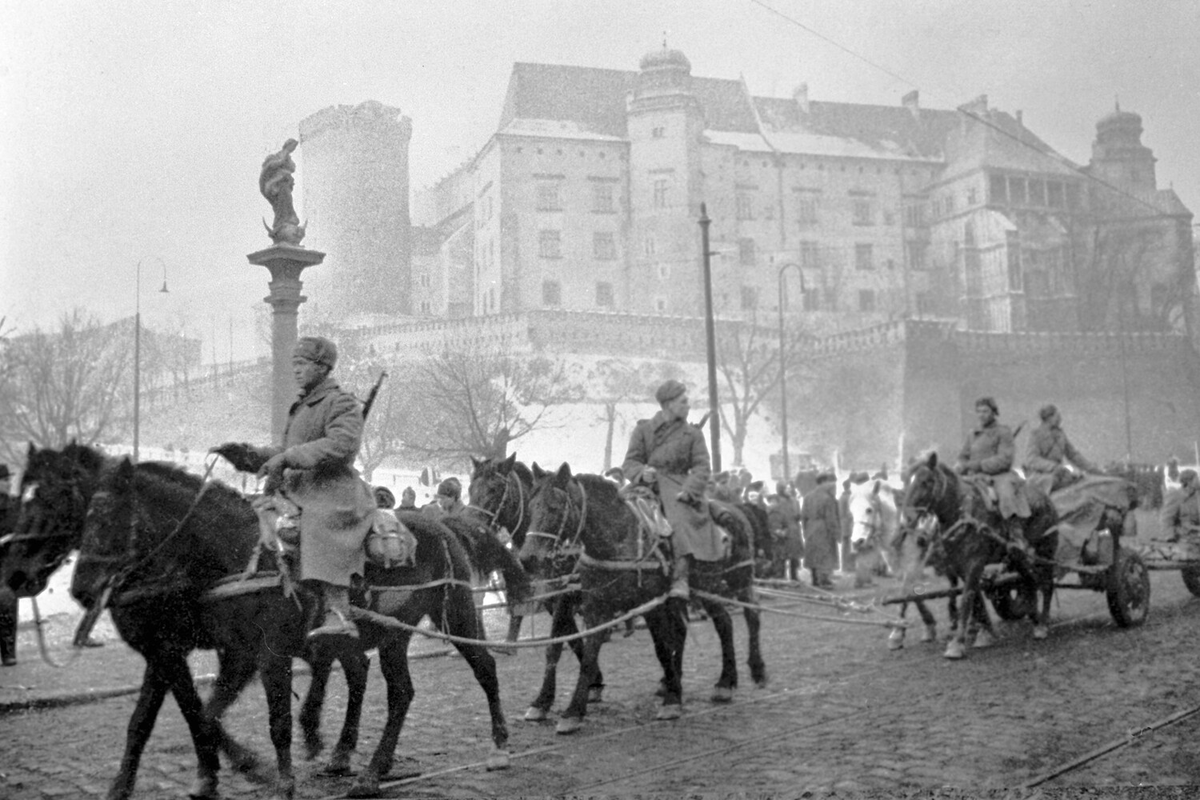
x=679 y=586
x=337 y=613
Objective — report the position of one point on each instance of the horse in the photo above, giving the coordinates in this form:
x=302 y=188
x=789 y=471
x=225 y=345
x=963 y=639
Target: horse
x=501 y=488
x=620 y=570
x=969 y=539
x=876 y=528
x=157 y=540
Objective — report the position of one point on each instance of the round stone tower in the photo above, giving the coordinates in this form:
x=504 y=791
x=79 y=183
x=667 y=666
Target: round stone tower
x=355 y=161
x=1118 y=155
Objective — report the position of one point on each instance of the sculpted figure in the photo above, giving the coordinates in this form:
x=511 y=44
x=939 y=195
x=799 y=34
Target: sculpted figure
x=275 y=181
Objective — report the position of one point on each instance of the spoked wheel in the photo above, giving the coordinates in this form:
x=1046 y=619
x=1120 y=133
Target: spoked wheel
x=1191 y=579
x=1128 y=589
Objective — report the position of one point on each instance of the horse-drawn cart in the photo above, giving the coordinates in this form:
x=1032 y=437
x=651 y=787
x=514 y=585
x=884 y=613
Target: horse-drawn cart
x=1181 y=555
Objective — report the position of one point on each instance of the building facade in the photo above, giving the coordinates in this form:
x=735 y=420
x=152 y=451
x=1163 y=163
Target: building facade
x=587 y=198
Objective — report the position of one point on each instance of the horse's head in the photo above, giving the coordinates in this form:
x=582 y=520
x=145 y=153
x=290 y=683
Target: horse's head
x=498 y=487
x=108 y=535
x=555 y=519
x=932 y=488
x=873 y=515
x=56 y=487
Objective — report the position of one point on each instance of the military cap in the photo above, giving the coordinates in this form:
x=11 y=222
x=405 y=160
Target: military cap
x=669 y=391
x=317 y=349
x=1047 y=411
x=989 y=402
x=450 y=488
x=384 y=497
x=826 y=477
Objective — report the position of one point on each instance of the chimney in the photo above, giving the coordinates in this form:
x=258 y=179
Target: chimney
x=800 y=95
x=911 y=102
x=978 y=106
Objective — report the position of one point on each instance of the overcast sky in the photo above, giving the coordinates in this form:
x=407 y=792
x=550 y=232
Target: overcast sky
x=134 y=129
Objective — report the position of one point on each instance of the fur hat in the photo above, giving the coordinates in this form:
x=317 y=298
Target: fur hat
x=450 y=488
x=317 y=349
x=990 y=402
x=384 y=497
x=826 y=477
x=669 y=391
x=1048 y=411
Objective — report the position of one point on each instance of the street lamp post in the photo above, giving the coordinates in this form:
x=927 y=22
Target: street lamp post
x=714 y=418
x=787 y=470
x=137 y=354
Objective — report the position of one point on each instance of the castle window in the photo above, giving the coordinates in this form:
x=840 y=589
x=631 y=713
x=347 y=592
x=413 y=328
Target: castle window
x=660 y=305
x=658 y=132
x=1037 y=193
x=664 y=271
x=1016 y=191
x=648 y=247
x=1054 y=194
x=749 y=298
x=864 y=257
x=998 y=191
x=551 y=293
x=550 y=244
x=604 y=294
x=806 y=209
x=746 y=252
x=950 y=203
x=745 y=206
x=866 y=300
x=914 y=215
x=548 y=196
x=916 y=255
x=602 y=198
x=660 y=193
x=924 y=304
x=604 y=248
x=972 y=196
x=1014 y=269
x=863 y=213
x=810 y=255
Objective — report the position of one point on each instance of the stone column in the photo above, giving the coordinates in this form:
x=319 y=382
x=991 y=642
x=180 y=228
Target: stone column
x=286 y=262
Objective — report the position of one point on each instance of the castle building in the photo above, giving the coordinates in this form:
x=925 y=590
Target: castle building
x=355 y=180
x=587 y=197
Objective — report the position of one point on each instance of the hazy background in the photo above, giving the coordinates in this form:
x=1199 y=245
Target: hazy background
x=134 y=130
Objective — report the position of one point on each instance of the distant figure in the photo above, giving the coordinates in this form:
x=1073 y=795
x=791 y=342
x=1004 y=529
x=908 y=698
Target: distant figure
x=408 y=498
x=384 y=497
x=988 y=452
x=1050 y=451
x=820 y=520
x=448 y=499
x=1180 y=516
x=276 y=182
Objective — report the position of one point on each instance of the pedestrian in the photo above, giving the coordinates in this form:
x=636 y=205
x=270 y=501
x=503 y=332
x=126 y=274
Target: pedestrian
x=408 y=499
x=384 y=497
x=9 y=510
x=786 y=520
x=448 y=499
x=670 y=456
x=820 y=522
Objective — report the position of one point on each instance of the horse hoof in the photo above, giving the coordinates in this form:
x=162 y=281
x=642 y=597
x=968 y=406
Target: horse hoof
x=361 y=788
x=204 y=789
x=896 y=640
x=954 y=650
x=596 y=694
x=535 y=714
x=983 y=639
x=929 y=634
x=338 y=766
x=568 y=725
x=721 y=694
x=1040 y=632
x=673 y=711
x=497 y=760
x=760 y=683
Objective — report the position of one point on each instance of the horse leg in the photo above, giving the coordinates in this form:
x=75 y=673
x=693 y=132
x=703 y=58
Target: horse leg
x=483 y=665
x=957 y=648
x=572 y=718
x=355 y=665
x=393 y=663
x=758 y=667
x=275 y=671
x=985 y=633
x=670 y=624
x=727 y=681
x=237 y=668
x=183 y=687
x=562 y=623
x=155 y=683
x=320 y=662
x=929 y=633
x=1041 y=624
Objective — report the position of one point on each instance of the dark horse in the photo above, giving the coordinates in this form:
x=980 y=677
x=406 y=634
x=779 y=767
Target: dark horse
x=155 y=546
x=501 y=488
x=620 y=569
x=969 y=538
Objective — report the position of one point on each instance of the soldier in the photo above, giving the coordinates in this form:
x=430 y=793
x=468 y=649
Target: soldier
x=820 y=519
x=1180 y=514
x=670 y=456
x=1050 y=451
x=8 y=599
x=988 y=451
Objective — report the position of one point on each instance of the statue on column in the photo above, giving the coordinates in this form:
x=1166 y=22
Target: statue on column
x=276 y=183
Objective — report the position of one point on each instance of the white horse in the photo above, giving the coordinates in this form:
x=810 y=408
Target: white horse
x=877 y=529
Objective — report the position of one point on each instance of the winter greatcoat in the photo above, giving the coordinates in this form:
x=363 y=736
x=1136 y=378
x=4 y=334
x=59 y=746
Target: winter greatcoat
x=989 y=451
x=321 y=441
x=677 y=451
x=1180 y=513
x=820 y=519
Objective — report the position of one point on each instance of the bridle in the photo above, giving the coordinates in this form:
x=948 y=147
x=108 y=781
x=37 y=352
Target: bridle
x=558 y=549
x=509 y=479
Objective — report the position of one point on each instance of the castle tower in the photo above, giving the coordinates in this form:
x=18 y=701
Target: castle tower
x=665 y=121
x=356 y=201
x=1118 y=155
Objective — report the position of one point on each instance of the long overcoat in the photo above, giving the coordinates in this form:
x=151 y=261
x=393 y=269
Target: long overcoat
x=679 y=455
x=820 y=520
x=321 y=441
x=1180 y=513
x=989 y=450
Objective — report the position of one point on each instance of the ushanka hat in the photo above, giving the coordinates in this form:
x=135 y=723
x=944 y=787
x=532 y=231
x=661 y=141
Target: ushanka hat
x=317 y=349
x=669 y=391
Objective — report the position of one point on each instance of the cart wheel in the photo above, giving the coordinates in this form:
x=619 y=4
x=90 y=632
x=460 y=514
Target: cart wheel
x=1128 y=589
x=1191 y=579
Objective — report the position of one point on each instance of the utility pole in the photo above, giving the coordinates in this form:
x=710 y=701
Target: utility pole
x=714 y=417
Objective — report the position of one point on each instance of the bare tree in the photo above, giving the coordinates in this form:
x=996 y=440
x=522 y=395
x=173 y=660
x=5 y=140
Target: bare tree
x=622 y=381
x=748 y=359
x=73 y=383
x=465 y=404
